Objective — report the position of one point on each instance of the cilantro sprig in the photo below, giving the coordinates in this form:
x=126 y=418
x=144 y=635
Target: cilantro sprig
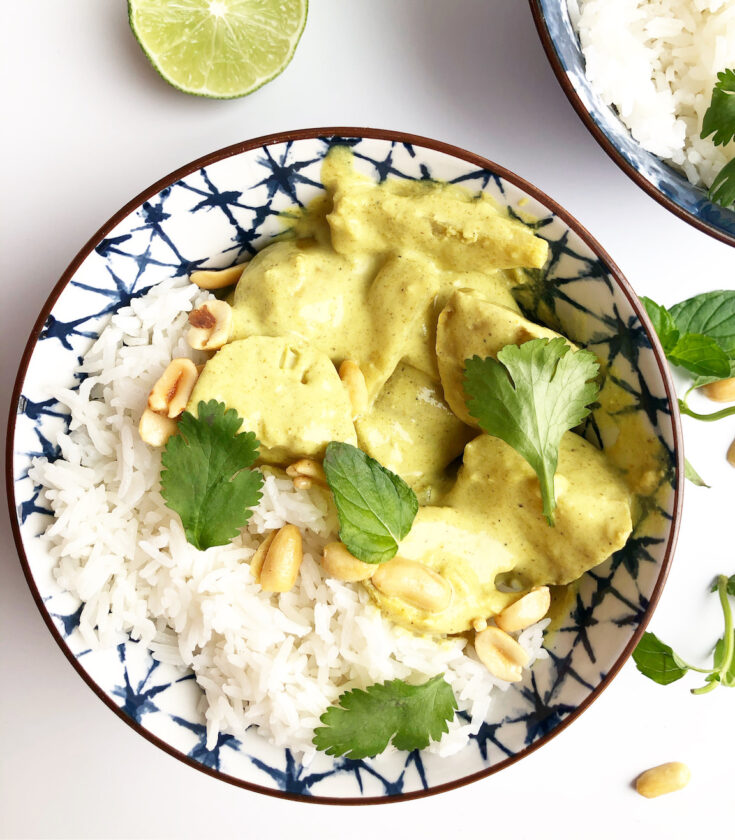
x=698 y=335
x=363 y=723
x=657 y=660
x=530 y=397
x=205 y=476
x=719 y=121
x=376 y=507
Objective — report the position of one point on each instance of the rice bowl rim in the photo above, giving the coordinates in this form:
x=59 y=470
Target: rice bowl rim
x=468 y=157
x=547 y=41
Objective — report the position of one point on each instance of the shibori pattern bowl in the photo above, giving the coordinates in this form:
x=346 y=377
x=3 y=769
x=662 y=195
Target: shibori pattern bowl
x=217 y=211
x=664 y=183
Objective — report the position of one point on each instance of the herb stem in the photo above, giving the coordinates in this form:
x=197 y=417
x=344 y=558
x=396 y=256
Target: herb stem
x=716 y=415
x=729 y=637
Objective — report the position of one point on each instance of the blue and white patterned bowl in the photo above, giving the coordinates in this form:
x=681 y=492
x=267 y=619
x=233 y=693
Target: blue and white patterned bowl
x=215 y=212
x=664 y=183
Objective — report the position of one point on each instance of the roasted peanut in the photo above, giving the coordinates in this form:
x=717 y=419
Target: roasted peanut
x=479 y=624
x=256 y=563
x=414 y=583
x=155 y=429
x=337 y=562
x=219 y=279
x=529 y=609
x=301 y=482
x=500 y=654
x=731 y=454
x=308 y=469
x=210 y=325
x=666 y=778
x=354 y=381
x=720 y=391
x=282 y=560
x=171 y=393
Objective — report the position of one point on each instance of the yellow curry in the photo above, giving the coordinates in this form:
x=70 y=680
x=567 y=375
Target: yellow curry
x=407 y=279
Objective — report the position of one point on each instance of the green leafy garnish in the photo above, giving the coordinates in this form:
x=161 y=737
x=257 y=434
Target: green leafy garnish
x=530 y=397
x=692 y=475
x=719 y=120
x=696 y=352
x=376 y=507
x=205 y=476
x=365 y=722
x=698 y=335
x=711 y=314
x=658 y=662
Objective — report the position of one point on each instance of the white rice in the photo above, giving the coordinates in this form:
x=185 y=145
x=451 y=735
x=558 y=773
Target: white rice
x=275 y=661
x=657 y=61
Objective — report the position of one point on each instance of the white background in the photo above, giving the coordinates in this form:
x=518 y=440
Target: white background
x=87 y=124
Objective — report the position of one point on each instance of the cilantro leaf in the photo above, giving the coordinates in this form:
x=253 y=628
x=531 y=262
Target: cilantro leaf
x=657 y=661
x=376 y=507
x=205 y=477
x=719 y=118
x=365 y=722
x=529 y=398
x=722 y=190
x=711 y=314
x=692 y=475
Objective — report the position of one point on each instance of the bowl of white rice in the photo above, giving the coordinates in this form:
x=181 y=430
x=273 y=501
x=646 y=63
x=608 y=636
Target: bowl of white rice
x=183 y=645
x=640 y=74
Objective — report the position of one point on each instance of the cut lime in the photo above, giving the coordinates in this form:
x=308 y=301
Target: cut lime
x=218 y=48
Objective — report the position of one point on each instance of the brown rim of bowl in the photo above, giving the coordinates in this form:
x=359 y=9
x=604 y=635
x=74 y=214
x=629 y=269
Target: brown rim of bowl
x=396 y=137
x=607 y=145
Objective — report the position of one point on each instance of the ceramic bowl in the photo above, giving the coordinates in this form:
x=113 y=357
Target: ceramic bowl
x=215 y=212
x=667 y=185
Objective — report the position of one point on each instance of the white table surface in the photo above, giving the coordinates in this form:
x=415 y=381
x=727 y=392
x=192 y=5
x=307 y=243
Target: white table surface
x=87 y=124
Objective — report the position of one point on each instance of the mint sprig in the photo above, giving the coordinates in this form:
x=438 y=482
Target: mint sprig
x=657 y=661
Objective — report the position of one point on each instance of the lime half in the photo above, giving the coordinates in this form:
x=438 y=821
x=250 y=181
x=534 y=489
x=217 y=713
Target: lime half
x=218 y=48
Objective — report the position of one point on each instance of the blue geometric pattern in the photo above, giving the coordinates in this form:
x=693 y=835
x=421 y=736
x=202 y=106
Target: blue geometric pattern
x=668 y=181
x=216 y=217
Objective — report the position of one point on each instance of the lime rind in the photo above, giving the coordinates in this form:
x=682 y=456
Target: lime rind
x=187 y=42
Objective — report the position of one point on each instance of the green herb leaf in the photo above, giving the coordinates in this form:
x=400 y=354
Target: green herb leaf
x=719 y=118
x=701 y=355
x=692 y=475
x=529 y=398
x=365 y=722
x=657 y=661
x=711 y=314
x=728 y=677
x=699 y=381
x=376 y=507
x=663 y=323
x=205 y=477
x=722 y=190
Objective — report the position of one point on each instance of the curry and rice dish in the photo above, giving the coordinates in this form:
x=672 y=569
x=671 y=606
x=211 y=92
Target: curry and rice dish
x=352 y=329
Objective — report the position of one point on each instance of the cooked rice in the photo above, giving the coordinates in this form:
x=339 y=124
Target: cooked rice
x=275 y=661
x=657 y=61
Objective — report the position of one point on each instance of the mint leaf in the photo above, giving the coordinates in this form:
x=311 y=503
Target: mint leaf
x=719 y=118
x=657 y=661
x=529 y=398
x=711 y=314
x=700 y=355
x=205 y=477
x=722 y=190
x=663 y=323
x=365 y=722
x=692 y=475
x=376 y=507
x=699 y=381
